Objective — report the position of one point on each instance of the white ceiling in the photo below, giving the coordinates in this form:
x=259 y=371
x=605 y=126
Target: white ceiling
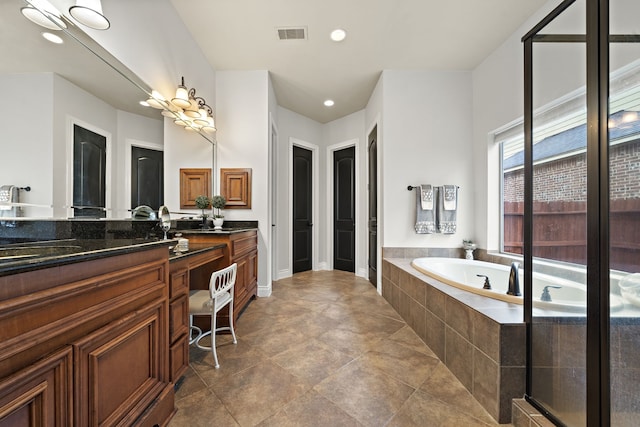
x=381 y=34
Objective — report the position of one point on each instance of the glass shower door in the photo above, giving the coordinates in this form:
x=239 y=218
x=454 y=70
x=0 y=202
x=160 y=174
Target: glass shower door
x=559 y=217
x=624 y=211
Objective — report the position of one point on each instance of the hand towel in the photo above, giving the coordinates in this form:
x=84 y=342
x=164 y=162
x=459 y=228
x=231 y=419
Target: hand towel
x=447 y=209
x=425 y=212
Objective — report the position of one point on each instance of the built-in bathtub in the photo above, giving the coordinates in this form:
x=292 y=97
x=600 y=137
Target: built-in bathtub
x=560 y=294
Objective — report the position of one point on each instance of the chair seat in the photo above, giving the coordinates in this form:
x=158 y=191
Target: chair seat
x=200 y=302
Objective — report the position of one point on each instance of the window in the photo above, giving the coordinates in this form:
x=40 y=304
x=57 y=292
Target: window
x=559 y=163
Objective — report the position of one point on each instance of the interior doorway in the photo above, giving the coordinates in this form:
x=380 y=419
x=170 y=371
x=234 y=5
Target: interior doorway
x=344 y=209
x=372 y=149
x=147 y=177
x=302 y=209
x=89 y=173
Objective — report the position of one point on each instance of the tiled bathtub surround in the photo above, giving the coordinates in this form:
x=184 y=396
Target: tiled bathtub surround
x=481 y=340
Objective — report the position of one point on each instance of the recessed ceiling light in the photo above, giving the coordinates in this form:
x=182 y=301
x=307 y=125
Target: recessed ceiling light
x=338 y=35
x=145 y=104
x=52 y=38
x=329 y=103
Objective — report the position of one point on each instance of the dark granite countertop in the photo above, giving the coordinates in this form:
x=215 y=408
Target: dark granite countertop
x=18 y=258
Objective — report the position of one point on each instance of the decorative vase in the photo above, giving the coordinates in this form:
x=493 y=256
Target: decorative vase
x=469 y=248
x=217 y=223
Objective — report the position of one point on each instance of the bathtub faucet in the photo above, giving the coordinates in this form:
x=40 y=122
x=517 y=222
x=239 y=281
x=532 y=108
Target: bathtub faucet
x=487 y=284
x=514 y=280
x=546 y=296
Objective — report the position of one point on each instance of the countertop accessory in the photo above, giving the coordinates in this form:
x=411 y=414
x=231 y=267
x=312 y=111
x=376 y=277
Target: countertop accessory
x=165 y=220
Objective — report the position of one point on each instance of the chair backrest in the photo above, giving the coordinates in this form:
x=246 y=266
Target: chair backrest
x=223 y=280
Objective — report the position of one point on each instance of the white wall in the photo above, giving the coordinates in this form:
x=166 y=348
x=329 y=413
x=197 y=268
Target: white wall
x=339 y=134
x=26 y=140
x=243 y=142
x=427 y=140
x=290 y=125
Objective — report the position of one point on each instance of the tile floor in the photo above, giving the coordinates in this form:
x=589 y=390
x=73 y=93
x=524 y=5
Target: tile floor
x=324 y=350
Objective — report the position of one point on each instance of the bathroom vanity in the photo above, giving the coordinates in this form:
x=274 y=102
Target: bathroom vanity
x=241 y=247
x=84 y=335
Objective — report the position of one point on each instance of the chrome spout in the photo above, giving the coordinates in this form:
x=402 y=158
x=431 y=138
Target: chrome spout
x=514 y=280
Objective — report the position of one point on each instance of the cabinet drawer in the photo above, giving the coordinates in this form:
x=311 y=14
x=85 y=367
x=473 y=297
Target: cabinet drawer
x=178 y=358
x=242 y=244
x=178 y=317
x=179 y=283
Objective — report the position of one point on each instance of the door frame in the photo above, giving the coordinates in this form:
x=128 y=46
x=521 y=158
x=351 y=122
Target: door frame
x=314 y=198
x=380 y=231
x=273 y=205
x=130 y=143
x=71 y=122
x=329 y=202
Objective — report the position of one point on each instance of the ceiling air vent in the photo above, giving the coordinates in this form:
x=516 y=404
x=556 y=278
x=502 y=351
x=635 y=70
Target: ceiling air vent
x=292 y=33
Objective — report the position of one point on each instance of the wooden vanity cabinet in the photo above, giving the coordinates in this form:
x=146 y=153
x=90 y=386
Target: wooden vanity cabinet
x=86 y=343
x=241 y=248
x=181 y=269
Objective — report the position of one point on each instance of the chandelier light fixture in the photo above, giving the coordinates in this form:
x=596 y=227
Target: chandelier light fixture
x=186 y=109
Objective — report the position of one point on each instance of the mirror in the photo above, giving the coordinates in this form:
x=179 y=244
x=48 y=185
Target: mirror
x=165 y=220
x=53 y=87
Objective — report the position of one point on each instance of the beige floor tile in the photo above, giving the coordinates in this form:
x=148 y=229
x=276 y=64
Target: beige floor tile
x=324 y=350
x=368 y=395
x=202 y=409
x=407 y=337
x=423 y=411
x=310 y=410
x=313 y=361
x=402 y=363
x=444 y=386
x=258 y=392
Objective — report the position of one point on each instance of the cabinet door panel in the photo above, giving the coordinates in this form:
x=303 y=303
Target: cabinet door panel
x=178 y=358
x=120 y=369
x=40 y=395
x=178 y=318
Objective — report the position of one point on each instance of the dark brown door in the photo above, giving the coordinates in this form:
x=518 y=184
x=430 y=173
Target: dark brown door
x=147 y=177
x=89 y=173
x=373 y=206
x=302 y=210
x=344 y=209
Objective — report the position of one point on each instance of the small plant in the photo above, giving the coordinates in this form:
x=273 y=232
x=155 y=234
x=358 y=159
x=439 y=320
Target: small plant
x=468 y=244
x=218 y=202
x=203 y=202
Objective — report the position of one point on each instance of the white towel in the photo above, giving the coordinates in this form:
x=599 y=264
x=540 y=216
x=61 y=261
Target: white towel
x=425 y=212
x=450 y=197
x=447 y=209
x=426 y=193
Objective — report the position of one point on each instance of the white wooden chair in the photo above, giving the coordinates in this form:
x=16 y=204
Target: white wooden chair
x=210 y=302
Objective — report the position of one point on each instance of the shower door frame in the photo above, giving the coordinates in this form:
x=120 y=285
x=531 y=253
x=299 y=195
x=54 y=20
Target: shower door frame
x=597 y=39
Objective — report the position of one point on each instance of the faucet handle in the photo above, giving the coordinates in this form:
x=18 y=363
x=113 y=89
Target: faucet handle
x=487 y=284
x=546 y=296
